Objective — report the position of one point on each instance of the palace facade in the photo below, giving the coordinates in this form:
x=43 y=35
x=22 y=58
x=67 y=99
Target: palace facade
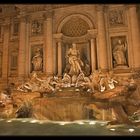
x=97 y=30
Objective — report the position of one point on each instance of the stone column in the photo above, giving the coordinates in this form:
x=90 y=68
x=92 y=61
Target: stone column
x=93 y=54
x=48 y=34
x=22 y=48
x=27 y=48
x=135 y=35
x=59 y=58
x=102 y=45
x=5 y=62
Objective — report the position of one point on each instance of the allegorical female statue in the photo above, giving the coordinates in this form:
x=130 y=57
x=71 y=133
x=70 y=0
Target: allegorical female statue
x=74 y=60
x=37 y=61
x=119 y=53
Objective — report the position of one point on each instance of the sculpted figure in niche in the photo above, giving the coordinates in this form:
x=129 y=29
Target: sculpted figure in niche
x=119 y=53
x=74 y=60
x=37 y=61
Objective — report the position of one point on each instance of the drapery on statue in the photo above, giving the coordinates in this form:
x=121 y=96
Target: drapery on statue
x=119 y=53
x=37 y=61
x=74 y=60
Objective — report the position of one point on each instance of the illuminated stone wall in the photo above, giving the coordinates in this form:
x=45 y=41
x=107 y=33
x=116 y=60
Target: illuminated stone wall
x=56 y=27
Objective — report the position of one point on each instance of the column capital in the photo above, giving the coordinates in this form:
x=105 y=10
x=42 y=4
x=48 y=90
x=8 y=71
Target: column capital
x=6 y=28
x=48 y=14
x=22 y=9
x=100 y=8
x=92 y=39
x=23 y=18
x=58 y=37
x=92 y=33
x=48 y=7
x=127 y=7
x=27 y=18
x=58 y=40
x=6 y=23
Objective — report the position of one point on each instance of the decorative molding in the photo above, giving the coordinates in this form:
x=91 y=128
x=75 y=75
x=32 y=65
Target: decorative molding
x=83 y=38
x=35 y=8
x=41 y=7
x=56 y=6
x=35 y=39
x=118 y=30
x=132 y=5
x=61 y=37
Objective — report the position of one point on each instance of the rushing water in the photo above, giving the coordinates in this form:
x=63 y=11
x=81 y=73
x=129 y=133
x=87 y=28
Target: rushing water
x=16 y=127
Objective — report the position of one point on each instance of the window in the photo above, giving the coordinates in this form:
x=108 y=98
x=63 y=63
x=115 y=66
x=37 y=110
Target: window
x=0 y=10
x=0 y=31
x=15 y=28
x=13 y=62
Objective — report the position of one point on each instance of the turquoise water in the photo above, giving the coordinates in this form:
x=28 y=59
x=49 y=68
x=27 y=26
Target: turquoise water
x=31 y=127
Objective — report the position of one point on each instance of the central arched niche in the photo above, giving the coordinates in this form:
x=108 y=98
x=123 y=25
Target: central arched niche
x=85 y=55
x=75 y=28
x=80 y=18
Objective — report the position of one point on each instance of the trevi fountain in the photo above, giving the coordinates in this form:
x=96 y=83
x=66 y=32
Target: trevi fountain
x=68 y=73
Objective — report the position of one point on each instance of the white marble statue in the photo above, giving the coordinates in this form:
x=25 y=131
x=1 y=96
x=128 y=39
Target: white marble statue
x=74 y=60
x=37 y=61
x=119 y=53
x=80 y=79
x=36 y=84
x=66 y=80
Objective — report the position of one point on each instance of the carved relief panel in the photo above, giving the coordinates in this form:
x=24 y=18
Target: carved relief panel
x=119 y=48
x=37 y=58
x=36 y=27
x=116 y=17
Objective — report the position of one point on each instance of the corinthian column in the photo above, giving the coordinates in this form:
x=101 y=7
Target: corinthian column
x=5 y=51
x=59 y=58
x=27 y=48
x=22 y=48
x=93 y=54
x=135 y=33
x=102 y=45
x=48 y=43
